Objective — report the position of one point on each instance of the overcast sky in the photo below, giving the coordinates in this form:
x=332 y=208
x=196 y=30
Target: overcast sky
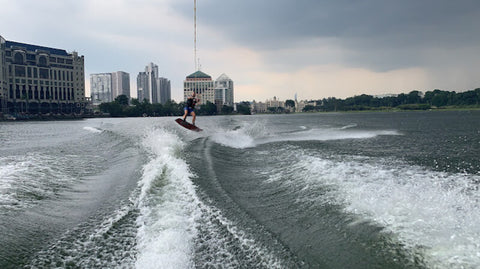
x=315 y=48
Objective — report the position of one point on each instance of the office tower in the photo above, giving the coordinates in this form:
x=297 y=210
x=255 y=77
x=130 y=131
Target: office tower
x=101 y=88
x=223 y=91
x=152 y=76
x=142 y=90
x=37 y=79
x=120 y=84
x=151 y=87
x=203 y=86
x=164 y=89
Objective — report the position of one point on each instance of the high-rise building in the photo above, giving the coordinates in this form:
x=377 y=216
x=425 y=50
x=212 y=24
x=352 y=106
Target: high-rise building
x=203 y=86
x=223 y=91
x=142 y=88
x=165 y=91
x=120 y=84
x=152 y=76
x=105 y=87
x=101 y=88
x=219 y=92
x=151 y=87
x=37 y=79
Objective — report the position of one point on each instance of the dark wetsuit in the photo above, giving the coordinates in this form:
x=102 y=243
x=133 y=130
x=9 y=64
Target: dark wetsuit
x=191 y=102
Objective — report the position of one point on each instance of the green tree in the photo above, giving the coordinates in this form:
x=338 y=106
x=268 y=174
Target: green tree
x=135 y=101
x=157 y=110
x=226 y=110
x=122 y=100
x=290 y=103
x=414 y=97
x=208 y=109
x=115 y=109
x=244 y=108
x=308 y=108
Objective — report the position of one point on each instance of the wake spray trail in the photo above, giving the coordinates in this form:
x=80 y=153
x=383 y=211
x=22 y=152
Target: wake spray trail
x=168 y=206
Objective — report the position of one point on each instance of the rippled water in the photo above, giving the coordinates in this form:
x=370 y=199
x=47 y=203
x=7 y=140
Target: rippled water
x=359 y=190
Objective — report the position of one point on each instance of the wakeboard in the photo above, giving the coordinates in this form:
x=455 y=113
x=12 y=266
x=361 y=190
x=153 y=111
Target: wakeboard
x=188 y=125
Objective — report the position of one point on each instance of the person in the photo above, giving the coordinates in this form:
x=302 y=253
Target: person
x=190 y=107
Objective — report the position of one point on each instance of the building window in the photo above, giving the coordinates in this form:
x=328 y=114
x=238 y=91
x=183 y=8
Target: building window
x=44 y=73
x=18 y=58
x=20 y=71
x=42 y=60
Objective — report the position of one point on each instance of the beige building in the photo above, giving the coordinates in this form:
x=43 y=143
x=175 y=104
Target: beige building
x=219 y=92
x=36 y=79
x=203 y=86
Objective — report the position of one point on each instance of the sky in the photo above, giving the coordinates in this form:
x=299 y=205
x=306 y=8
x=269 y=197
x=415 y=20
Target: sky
x=312 y=48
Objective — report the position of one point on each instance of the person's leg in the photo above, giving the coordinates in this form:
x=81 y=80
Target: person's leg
x=185 y=115
x=193 y=117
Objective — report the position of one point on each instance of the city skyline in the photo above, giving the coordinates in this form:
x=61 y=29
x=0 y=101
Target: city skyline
x=315 y=49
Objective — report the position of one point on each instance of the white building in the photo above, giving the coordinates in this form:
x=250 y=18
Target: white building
x=152 y=87
x=101 y=88
x=258 y=107
x=275 y=102
x=37 y=79
x=219 y=92
x=223 y=91
x=203 y=86
x=120 y=84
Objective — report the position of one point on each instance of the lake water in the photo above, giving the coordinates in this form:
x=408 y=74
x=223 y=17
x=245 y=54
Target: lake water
x=333 y=190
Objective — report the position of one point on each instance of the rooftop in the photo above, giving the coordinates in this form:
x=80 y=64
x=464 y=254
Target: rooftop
x=29 y=47
x=223 y=77
x=199 y=74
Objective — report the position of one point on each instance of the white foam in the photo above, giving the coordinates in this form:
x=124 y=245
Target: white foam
x=257 y=134
x=26 y=178
x=435 y=211
x=168 y=206
x=7 y=181
x=244 y=137
x=349 y=126
x=171 y=214
x=92 y=129
x=222 y=247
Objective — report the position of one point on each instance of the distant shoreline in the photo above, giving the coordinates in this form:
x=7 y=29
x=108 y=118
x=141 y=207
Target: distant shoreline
x=26 y=117
x=82 y=117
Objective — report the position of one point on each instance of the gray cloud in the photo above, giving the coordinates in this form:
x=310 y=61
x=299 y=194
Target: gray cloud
x=378 y=34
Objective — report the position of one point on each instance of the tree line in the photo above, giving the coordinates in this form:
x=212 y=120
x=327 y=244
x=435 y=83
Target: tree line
x=123 y=107
x=414 y=100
